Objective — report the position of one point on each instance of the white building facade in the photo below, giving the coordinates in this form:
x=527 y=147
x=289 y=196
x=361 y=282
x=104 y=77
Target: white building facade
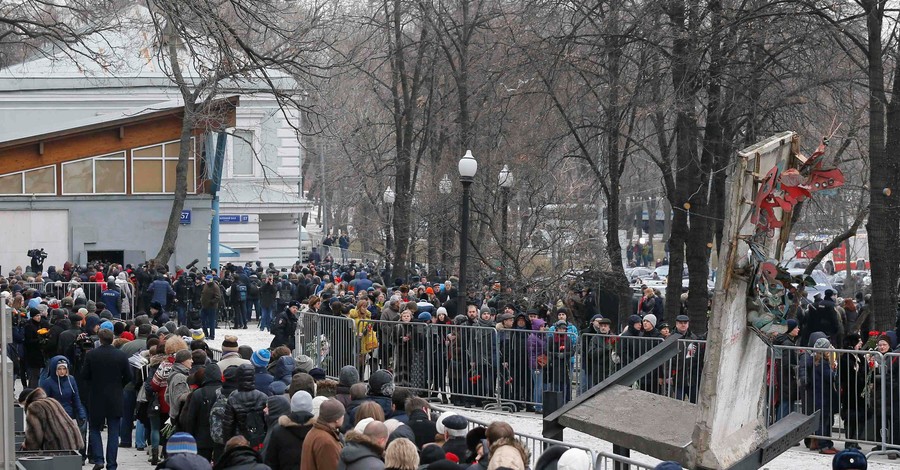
x=262 y=202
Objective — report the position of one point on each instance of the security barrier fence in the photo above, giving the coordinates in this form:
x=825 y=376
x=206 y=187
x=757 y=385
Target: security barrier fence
x=536 y=446
x=92 y=291
x=857 y=391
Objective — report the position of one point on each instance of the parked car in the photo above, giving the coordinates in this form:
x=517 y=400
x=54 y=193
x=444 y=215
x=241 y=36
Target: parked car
x=821 y=279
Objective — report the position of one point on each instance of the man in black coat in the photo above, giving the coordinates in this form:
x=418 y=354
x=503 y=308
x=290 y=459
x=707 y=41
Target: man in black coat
x=105 y=372
x=284 y=327
x=199 y=408
x=420 y=421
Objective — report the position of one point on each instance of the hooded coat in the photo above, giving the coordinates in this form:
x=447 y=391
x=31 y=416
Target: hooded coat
x=64 y=390
x=243 y=402
x=285 y=448
x=200 y=406
x=361 y=283
x=263 y=380
x=283 y=369
x=48 y=426
x=240 y=458
x=360 y=452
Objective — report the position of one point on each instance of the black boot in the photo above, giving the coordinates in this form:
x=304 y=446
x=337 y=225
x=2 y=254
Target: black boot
x=154 y=456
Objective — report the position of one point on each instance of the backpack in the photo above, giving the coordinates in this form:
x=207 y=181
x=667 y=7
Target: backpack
x=242 y=291
x=285 y=288
x=256 y=429
x=76 y=351
x=253 y=289
x=217 y=418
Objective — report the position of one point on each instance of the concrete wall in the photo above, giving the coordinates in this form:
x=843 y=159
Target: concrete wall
x=135 y=225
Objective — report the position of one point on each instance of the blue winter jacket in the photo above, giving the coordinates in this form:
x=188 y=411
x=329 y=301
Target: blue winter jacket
x=160 y=290
x=63 y=389
x=362 y=282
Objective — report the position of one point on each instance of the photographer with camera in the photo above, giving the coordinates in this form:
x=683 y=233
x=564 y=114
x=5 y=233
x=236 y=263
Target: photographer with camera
x=184 y=289
x=37 y=255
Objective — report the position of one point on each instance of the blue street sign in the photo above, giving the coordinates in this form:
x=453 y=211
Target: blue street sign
x=186 y=217
x=234 y=219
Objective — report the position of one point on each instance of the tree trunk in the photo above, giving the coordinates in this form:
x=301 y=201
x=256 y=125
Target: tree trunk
x=171 y=236
x=883 y=222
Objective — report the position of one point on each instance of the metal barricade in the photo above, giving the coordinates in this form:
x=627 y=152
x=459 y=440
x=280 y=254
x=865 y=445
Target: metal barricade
x=473 y=363
x=891 y=392
x=215 y=354
x=93 y=291
x=844 y=385
x=333 y=342
x=536 y=445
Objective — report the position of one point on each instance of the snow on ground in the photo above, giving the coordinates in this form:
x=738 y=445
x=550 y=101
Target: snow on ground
x=798 y=458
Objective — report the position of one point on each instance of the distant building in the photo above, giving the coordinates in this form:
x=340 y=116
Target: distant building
x=101 y=189
x=262 y=205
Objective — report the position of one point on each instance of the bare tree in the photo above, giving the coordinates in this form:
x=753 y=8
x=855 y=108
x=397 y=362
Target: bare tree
x=215 y=48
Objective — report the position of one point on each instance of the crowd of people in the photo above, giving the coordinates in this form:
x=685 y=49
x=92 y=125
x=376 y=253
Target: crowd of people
x=125 y=349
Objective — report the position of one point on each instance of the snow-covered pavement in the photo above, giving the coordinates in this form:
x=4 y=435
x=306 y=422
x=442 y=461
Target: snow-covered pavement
x=797 y=458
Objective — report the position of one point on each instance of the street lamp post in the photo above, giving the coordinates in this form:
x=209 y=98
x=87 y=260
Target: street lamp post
x=445 y=187
x=506 y=182
x=468 y=166
x=389 y=197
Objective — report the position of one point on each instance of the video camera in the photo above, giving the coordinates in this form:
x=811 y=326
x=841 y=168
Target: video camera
x=37 y=253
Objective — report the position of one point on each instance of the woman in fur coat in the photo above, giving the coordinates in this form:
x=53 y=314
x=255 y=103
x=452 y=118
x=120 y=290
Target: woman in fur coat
x=48 y=426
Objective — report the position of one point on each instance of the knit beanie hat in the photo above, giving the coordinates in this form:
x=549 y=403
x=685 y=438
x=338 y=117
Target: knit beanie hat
x=330 y=411
x=107 y=325
x=348 y=376
x=197 y=335
x=301 y=401
x=791 y=324
x=424 y=316
x=650 y=318
x=230 y=344
x=822 y=343
x=181 y=442
x=261 y=358
x=441 y=310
